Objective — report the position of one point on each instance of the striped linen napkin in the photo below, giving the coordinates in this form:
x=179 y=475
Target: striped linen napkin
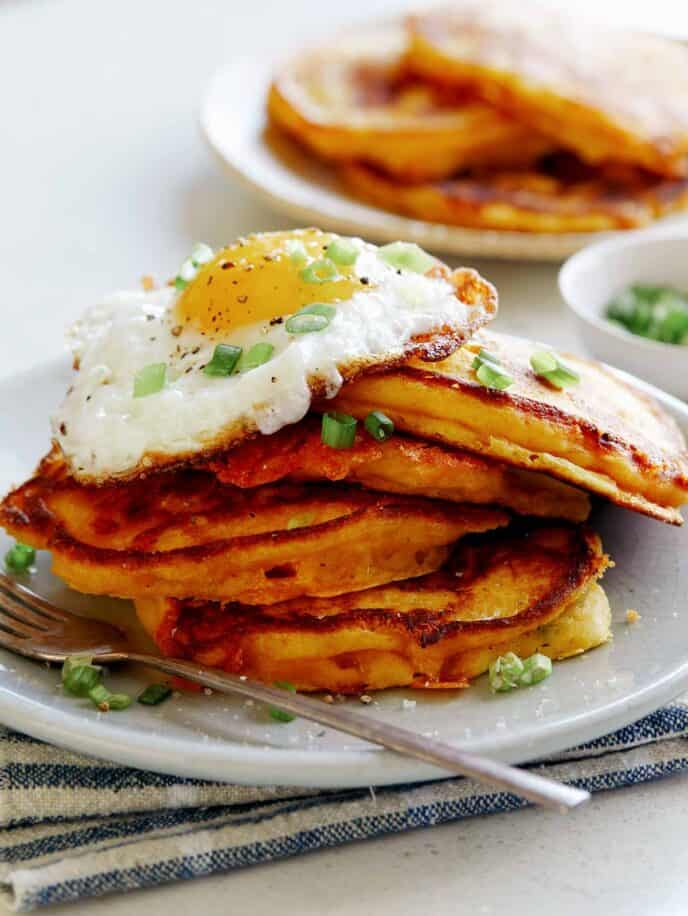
x=74 y=827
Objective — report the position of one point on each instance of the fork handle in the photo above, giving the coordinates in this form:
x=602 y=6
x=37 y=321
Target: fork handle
x=524 y=783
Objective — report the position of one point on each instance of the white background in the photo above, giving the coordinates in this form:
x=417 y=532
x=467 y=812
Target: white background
x=105 y=177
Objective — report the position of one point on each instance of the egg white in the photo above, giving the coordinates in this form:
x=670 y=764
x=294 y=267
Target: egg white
x=105 y=432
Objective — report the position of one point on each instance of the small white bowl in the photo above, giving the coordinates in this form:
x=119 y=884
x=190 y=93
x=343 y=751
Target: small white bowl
x=593 y=276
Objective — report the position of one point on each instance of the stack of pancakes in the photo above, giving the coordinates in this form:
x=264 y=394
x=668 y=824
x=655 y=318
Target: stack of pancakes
x=497 y=115
x=413 y=560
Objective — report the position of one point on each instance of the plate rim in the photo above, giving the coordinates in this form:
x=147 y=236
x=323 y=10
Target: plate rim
x=312 y=768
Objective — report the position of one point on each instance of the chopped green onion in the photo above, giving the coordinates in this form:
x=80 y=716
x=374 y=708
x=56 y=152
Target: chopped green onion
x=659 y=313
x=306 y=324
x=493 y=376
x=74 y=661
x=300 y=521
x=279 y=715
x=321 y=271
x=150 y=380
x=379 y=425
x=201 y=254
x=258 y=354
x=314 y=317
x=505 y=672
x=548 y=366
x=563 y=377
x=509 y=671
x=296 y=251
x=406 y=256
x=338 y=430
x=484 y=356
x=180 y=283
x=80 y=680
x=105 y=700
x=224 y=360
x=100 y=696
x=154 y=694
x=535 y=669
x=543 y=362
x=342 y=251
x=19 y=558
x=118 y=701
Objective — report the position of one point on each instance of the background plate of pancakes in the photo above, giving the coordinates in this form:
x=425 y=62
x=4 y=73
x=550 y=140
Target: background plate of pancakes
x=217 y=737
x=487 y=130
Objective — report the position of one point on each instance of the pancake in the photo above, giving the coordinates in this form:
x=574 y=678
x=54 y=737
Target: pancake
x=399 y=465
x=185 y=534
x=555 y=195
x=354 y=99
x=607 y=94
x=602 y=435
x=524 y=593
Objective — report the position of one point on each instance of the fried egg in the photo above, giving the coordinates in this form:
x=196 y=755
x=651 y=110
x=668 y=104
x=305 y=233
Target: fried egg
x=243 y=341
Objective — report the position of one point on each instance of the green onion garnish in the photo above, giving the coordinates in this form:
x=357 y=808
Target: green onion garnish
x=492 y=376
x=99 y=695
x=535 y=669
x=74 y=661
x=489 y=372
x=83 y=679
x=549 y=367
x=296 y=251
x=201 y=254
x=406 y=256
x=224 y=360
x=659 y=313
x=279 y=715
x=154 y=694
x=80 y=680
x=319 y=272
x=19 y=558
x=505 y=672
x=342 y=252
x=150 y=380
x=379 y=425
x=105 y=700
x=509 y=671
x=118 y=701
x=543 y=362
x=338 y=430
x=484 y=356
x=187 y=273
x=314 y=317
x=300 y=521
x=258 y=354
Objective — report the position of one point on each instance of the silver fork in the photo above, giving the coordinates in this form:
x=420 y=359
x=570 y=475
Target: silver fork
x=33 y=627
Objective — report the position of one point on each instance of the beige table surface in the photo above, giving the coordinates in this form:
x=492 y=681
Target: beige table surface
x=104 y=177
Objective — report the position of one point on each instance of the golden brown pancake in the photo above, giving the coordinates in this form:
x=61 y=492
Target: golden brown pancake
x=605 y=93
x=602 y=435
x=522 y=593
x=185 y=534
x=399 y=465
x=355 y=100
x=555 y=195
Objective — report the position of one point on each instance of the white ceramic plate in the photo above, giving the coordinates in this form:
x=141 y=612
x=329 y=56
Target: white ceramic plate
x=220 y=738
x=278 y=171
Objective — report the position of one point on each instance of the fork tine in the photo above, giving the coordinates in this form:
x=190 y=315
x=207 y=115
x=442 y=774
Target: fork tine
x=19 y=612
x=13 y=643
x=14 y=627
x=31 y=599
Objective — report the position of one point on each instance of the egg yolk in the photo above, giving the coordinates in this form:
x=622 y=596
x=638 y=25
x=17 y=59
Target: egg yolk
x=264 y=277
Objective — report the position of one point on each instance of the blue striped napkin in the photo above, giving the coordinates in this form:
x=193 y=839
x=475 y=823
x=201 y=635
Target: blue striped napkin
x=74 y=827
